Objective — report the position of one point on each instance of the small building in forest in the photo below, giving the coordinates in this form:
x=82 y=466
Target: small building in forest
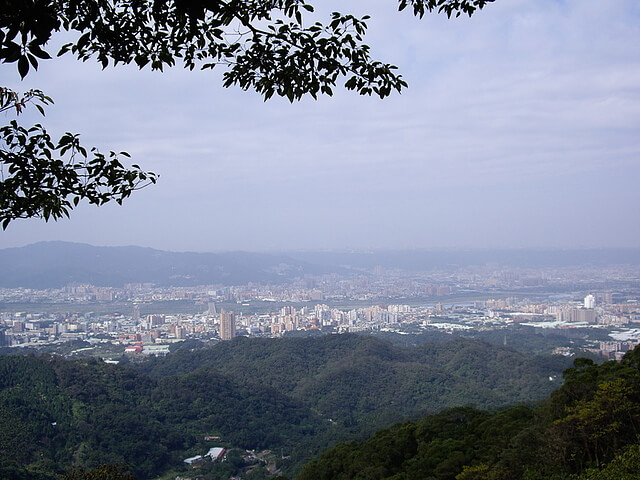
x=216 y=453
x=193 y=460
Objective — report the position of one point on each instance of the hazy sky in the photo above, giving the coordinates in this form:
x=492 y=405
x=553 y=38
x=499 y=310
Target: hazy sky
x=520 y=128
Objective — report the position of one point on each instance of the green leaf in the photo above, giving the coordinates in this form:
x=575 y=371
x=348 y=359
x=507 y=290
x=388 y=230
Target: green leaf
x=33 y=61
x=23 y=66
x=38 y=52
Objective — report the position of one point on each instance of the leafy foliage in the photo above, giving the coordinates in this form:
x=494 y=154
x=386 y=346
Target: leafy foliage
x=46 y=179
x=10 y=100
x=35 y=184
x=625 y=466
x=101 y=472
x=266 y=46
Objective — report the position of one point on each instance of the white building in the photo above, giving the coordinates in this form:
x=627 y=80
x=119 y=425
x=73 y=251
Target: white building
x=589 y=301
x=216 y=453
x=192 y=460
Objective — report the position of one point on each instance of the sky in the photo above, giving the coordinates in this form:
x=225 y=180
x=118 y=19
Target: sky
x=520 y=129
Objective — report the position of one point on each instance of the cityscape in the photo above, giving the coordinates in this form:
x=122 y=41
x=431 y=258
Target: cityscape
x=601 y=305
x=307 y=240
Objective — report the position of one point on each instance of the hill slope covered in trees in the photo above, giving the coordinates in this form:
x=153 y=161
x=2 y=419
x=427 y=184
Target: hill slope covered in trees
x=367 y=382
x=297 y=396
x=588 y=429
x=55 y=414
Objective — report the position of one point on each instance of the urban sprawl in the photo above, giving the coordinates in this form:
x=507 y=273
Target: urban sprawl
x=602 y=299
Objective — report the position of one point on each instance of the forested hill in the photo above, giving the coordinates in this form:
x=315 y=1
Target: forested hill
x=587 y=430
x=370 y=382
x=298 y=396
x=57 y=414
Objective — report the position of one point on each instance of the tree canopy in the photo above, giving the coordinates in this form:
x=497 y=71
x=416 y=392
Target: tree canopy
x=270 y=46
x=586 y=430
x=275 y=394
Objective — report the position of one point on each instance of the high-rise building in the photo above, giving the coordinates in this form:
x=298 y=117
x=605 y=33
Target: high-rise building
x=589 y=301
x=586 y=315
x=155 y=319
x=227 y=325
x=181 y=332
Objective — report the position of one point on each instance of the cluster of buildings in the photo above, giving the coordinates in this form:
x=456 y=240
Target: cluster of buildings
x=214 y=454
x=326 y=287
x=603 y=299
x=136 y=334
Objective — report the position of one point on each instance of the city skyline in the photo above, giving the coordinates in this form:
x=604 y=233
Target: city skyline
x=519 y=129
x=581 y=302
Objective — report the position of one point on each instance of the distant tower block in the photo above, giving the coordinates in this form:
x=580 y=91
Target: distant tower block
x=212 y=309
x=136 y=312
x=227 y=325
x=589 y=301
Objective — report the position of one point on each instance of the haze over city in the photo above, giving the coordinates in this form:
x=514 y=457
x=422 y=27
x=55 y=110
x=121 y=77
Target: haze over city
x=519 y=129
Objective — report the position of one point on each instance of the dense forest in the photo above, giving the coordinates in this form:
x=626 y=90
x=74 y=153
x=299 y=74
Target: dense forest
x=588 y=429
x=296 y=396
x=368 y=382
x=55 y=414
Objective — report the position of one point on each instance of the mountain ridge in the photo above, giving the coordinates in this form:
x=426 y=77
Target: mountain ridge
x=56 y=264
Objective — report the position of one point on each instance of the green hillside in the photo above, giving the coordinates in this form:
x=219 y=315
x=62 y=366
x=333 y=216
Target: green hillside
x=587 y=430
x=367 y=381
x=57 y=414
x=295 y=396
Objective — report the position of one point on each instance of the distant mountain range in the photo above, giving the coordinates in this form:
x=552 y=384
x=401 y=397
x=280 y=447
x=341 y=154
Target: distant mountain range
x=55 y=264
